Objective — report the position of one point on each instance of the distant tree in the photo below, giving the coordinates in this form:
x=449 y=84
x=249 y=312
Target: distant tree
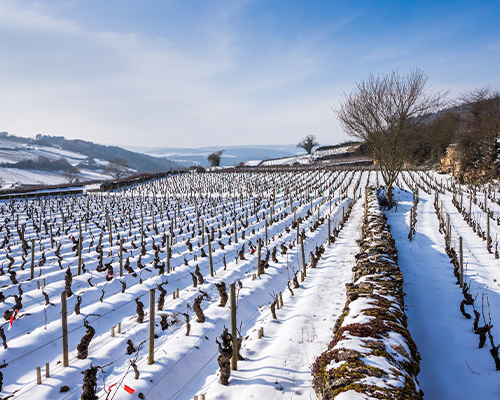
x=214 y=158
x=308 y=143
x=72 y=174
x=89 y=163
x=44 y=163
x=117 y=168
x=383 y=111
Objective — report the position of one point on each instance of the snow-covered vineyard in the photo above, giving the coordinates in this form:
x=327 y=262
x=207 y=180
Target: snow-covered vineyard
x=140 y=281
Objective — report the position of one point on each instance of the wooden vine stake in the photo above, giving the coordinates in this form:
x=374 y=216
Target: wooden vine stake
x=448 y=229
x=470 y=209
x=121 y=257
x=329 y=230
x=197 y=213
x=232 y=299
x=203 y=232
x=303 y=257
x=235 y=230
x=151 y=350
x=168 y=254
x=411 y=224
x=259 y=249
x=142 y=230
x=272 y=208
x=80 y=248
x=210 y=257
x=461 y=261
x=488 y=239
x=64 y=320
x=32 y=259
x=110 y=232
x=265 y=243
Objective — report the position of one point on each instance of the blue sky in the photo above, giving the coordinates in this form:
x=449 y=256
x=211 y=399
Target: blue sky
x=198 y=73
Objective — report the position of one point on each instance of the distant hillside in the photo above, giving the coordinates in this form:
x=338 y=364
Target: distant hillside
x=233 y=155
x=137 y=161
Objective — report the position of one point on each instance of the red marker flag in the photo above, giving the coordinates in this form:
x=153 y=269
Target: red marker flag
x=13 y=317
x=128 y=389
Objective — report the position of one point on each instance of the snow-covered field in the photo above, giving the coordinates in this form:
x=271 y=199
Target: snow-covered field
x=336 y=151
x=12 y=152
x=452 y=365
x=301 y=159
x=11 y=177
x=276 y=366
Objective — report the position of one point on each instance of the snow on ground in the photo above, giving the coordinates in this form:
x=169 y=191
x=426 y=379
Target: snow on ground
x=452 y=366
x=278 y=365
x=301 y=159
x=12 y=152
x=16 y=177
x=180 y=361
x=253 y=163
x=336 y=151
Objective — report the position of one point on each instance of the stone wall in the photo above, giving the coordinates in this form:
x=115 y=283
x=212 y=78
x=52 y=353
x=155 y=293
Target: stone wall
x=372 y=351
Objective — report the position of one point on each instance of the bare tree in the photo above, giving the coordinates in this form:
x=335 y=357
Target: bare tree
x=383 y=111
x=478 y=145
x=72 y=174
x=308 y=143
x=116 y=168
x=214 y=158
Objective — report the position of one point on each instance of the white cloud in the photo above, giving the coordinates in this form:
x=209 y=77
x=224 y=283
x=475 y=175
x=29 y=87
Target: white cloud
x=63 y=79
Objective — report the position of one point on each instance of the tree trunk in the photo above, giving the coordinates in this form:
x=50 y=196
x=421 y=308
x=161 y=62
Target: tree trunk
x=388 y=195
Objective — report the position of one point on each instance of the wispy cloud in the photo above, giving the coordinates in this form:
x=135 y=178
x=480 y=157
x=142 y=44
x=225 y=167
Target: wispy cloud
x=203 y=73
x=62 y=78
